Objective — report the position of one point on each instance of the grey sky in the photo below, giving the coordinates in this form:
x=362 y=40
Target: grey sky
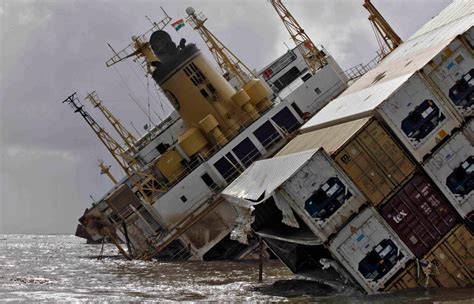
x=48 y=165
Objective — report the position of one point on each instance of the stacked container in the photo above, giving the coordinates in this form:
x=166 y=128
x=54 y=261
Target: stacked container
x=452 y=169
x=365 y=151
x=418 y=117
x=412 y=158
x=373 y=162
x=369 y=251
x=450 y=264
x=419 y=214
x=452 y=71
x=322 y=195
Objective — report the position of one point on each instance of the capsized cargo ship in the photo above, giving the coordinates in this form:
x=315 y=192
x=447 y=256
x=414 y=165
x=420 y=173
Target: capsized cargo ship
x=377 y=190
x=169 y=204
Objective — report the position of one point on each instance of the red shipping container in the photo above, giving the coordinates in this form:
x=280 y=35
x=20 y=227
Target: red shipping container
x=419 y=214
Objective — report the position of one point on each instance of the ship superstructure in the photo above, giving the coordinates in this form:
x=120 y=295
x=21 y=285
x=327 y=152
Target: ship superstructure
x=214 y=134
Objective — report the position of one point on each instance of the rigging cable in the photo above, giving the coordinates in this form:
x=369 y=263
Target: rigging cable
x=141 y=80
x=130 y=92
x=141 y=108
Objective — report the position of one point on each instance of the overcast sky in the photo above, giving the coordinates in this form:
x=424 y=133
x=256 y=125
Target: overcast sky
x=49 y=49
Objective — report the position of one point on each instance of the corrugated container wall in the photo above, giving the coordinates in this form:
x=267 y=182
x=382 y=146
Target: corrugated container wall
x=450 y=264
x=419 y=214
x=452 y=169
x=369 y=251
x=469 y=130
x=322 y=195
x=375 y=162
x=365 y=152
x=453 y=72
x=417 y=117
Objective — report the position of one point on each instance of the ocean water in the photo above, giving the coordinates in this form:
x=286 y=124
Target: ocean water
x=62 y=268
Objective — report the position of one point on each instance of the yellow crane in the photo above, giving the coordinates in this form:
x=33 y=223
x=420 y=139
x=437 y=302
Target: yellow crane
x=145 y=182
x=228 y=62
x=382 y=29
x=126 y=136
x=314 y=58
x=140 y=47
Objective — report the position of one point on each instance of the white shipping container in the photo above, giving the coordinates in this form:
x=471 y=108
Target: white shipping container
x=370 y=251
x=453 y=72
x=322 y=195
x=452 y=169
x=417 y=117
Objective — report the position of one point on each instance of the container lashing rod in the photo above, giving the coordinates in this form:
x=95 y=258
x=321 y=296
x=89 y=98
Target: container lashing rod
x=145 y=182
x=314 y=58
x=383 y=30
x=228 y=62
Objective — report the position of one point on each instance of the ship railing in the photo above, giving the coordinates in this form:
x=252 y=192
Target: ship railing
x=203 y=157
x=357 y=71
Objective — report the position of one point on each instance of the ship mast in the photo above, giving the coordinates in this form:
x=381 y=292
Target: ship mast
x=104 y=169
x=386 y=36
x=145 y=182
x=313 y=57
x=140 y=47
x=228 y=62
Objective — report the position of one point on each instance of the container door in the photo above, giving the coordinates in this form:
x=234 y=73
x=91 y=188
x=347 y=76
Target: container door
x=387 y=154
x=361 y=169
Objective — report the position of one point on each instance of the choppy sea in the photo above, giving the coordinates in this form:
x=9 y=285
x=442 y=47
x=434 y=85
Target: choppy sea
x=62 y=268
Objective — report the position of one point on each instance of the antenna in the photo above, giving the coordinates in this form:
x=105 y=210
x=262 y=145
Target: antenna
x=139 y=47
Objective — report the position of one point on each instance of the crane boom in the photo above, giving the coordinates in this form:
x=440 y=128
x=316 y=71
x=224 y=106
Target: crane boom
x=109 y=142
x=228 y=62
x=127 y=137
x=382 y=29
x=145 y=182
x=314 y=58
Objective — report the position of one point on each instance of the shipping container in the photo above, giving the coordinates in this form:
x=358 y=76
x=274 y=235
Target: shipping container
x=307 y=183
x=469 y=130
x=365 y=151
x=419 y=214
x=322 y=195
x=417 y=117
x=394 y=91
x=453 y=73
x=369 y=251
x=452 y=169
x=450 y=264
